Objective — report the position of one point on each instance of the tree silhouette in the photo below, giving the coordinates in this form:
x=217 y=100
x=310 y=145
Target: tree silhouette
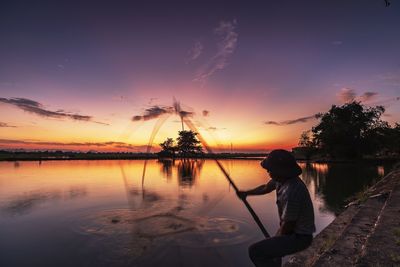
x=307 y=144
x=168 y=147
x=346 y=131
x=188 y=144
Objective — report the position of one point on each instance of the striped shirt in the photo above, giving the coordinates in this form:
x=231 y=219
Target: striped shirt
x=294 y=204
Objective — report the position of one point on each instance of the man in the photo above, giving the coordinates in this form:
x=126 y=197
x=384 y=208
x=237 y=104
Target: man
x=295 y=210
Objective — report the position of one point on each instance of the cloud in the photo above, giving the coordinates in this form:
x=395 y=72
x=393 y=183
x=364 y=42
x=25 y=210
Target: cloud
x=153 y=112
x=37 y=108
x=294 y=121
x=212 y=128
x=206 y=113
x=185 y=114
x=195 y=52
x=272 y=123
x=367 y=96
x=74 y=144
x=227 y=40
x=346 y=95
x=6 y=125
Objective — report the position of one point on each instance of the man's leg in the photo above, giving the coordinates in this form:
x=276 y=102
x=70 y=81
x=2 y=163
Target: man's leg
x=268 y=252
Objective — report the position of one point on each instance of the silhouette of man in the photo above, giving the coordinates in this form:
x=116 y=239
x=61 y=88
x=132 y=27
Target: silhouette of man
x=295 y=210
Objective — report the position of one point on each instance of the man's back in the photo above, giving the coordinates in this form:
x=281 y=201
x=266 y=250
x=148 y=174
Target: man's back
x=294 y=204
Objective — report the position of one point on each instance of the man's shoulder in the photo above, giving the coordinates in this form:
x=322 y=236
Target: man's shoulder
x=297 y=188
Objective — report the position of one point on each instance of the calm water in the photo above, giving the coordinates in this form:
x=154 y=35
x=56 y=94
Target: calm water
x=102 y=213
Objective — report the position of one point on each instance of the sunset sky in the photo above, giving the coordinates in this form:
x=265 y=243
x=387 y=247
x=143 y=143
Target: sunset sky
x=98 y=76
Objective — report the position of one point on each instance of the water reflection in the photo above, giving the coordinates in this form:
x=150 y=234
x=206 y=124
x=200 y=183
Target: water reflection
x=187 y=169
x=166 y=167
x=27 y=202
x=139 y=198
x=336 y=182
x=181 y=209
x=381 y=171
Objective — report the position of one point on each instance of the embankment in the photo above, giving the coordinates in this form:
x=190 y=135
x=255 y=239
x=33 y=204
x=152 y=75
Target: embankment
x=366 y=233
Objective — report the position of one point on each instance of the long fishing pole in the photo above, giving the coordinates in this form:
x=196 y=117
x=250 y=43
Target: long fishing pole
x=227 y=176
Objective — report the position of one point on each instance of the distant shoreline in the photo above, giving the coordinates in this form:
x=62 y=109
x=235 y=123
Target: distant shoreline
x=59 y=155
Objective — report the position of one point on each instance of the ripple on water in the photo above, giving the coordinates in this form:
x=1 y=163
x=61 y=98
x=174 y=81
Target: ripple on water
x=132 y=234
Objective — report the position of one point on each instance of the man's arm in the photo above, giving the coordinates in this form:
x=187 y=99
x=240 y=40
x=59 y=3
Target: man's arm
x=259 y=190
x=286 y=228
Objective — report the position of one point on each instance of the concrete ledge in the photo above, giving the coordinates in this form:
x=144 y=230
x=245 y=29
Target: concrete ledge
x=346 y=238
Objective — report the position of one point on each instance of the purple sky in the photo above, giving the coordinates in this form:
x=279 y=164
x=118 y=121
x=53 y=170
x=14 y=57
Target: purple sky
x=246 y=63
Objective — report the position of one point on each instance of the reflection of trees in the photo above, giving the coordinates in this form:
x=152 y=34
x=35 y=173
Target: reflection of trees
x=166 y=166
x=188 y=171
x=336 y=182
x=315 y=174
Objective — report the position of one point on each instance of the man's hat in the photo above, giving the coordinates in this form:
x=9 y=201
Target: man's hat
x=282 y=164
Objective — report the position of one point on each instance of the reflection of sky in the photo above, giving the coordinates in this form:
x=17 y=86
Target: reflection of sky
x=245 y=64
x=63 y=195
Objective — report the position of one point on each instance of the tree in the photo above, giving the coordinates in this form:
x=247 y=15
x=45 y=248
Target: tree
x=306 y=144
x=306 y=139
x=168 y=147
x=387 y=140
x=188 y=143
x=345 y=131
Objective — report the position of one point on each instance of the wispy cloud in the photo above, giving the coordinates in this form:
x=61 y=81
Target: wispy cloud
x=346 y=95
x=227 y=41
x=195 y=52
x=37 y=108
x=212 y=128
x=6 y=125
x=293 y=121
x=368 y=96
x=155 y=112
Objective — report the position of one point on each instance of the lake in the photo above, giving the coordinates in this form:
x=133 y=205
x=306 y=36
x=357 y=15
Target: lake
x=176 y=213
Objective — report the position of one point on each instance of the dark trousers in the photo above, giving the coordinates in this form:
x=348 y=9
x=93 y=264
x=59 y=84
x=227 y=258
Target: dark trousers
x=269 y=252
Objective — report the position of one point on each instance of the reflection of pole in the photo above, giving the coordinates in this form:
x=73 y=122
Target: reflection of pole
x=250 y=209
x=252 y=212
x=128 y=196
x=156 y=128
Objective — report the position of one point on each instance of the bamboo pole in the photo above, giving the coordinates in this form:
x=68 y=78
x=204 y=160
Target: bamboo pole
x=227 y=176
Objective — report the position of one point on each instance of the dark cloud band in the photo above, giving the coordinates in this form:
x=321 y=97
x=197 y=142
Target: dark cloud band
x=294 y=121
x=155 y=112
x=6 y=125
x=37 y=108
